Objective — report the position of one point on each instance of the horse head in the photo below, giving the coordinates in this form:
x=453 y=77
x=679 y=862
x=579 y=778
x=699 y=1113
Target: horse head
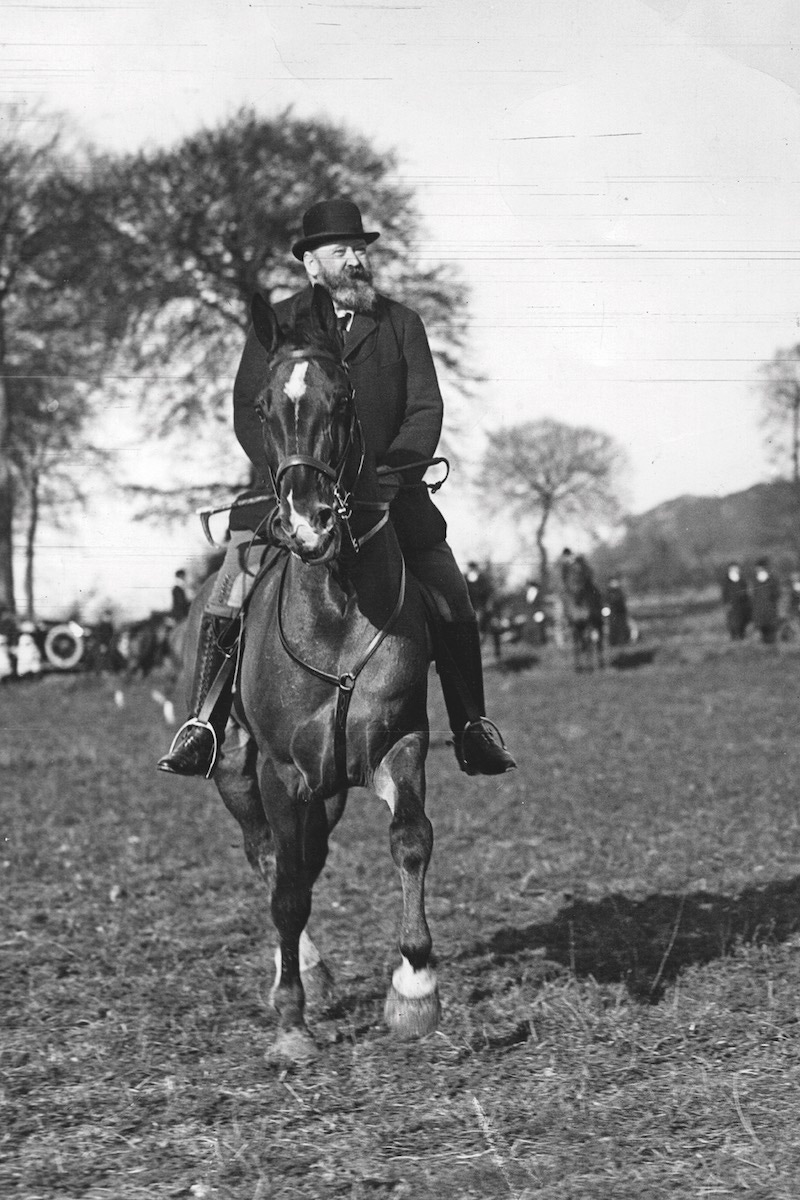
x=312 y=438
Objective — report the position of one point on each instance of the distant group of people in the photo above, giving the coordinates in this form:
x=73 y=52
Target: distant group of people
x=29 y=648
x=757 y=601
x=20 y=654
x=531 y=613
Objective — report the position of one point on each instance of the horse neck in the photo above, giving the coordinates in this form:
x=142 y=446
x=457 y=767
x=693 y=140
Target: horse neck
x=362 y=584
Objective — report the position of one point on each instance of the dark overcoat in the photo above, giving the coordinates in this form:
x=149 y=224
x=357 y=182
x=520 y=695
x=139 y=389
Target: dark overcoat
x=397 y=398
x=766 y=598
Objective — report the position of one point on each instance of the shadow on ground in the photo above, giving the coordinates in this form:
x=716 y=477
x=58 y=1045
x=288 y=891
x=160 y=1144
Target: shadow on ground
x=646 y=943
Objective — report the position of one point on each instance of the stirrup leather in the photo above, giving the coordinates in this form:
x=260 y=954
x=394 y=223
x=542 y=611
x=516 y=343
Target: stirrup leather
x=199 y=724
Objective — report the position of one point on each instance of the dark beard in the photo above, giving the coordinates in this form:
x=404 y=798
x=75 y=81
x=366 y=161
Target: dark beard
x=354 y=292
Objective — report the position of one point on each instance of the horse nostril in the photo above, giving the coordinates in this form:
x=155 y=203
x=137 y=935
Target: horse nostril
x=324 y=518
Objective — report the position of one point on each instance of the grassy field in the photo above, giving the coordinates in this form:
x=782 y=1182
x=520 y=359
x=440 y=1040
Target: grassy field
x=617 y=928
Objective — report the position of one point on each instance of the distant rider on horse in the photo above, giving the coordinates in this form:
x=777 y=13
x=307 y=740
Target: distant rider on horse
x=399 y=407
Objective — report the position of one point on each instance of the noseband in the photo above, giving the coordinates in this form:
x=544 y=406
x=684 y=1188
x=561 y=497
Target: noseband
x=342 y=497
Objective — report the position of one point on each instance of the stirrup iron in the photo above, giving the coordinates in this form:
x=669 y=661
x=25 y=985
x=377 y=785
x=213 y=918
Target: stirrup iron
x=199 y=724
x=486 y=721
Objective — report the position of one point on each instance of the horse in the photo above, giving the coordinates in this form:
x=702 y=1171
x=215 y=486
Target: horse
x=171 y=668
x=583 y=612
x=150 y=647
x=331 y=686
x=143 y=646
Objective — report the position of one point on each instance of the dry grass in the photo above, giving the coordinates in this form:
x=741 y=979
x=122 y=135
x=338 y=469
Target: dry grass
x=618 y=932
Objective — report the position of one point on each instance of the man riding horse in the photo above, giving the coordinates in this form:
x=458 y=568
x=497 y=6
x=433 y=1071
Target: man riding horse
x=399 y=407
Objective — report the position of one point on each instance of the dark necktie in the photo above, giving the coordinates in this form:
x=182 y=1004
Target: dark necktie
x=344 y=321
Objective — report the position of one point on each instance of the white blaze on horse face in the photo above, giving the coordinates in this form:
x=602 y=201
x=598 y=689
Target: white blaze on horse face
x=295 y=389
x=300 y=527
x=295 y=386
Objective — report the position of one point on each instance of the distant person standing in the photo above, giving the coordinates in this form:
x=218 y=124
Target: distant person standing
x=180 y=598
x=766 y=597
x=104 y=638
x=537 y=617
x=619 y=626
x=7 y=629
x=29 y=658
x=8 y=636
x=737 y=601
x=481 y=594
x=794 y=597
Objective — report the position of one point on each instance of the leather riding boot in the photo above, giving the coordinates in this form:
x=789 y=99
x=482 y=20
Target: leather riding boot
x=195 y=747
x=478 y=743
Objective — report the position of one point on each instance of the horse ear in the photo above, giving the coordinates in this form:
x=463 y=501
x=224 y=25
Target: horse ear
x=323 y=313
x=265 y=324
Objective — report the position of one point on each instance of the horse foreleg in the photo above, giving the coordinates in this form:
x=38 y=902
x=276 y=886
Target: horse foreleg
x=236 y=778
x=320 y=818
x=412 y=1004
x=290 y=905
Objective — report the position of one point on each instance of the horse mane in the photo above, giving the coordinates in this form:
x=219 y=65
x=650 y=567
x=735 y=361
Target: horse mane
x=303 y=331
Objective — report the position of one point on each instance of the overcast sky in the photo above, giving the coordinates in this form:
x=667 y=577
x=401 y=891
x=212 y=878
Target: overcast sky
x=617 y=181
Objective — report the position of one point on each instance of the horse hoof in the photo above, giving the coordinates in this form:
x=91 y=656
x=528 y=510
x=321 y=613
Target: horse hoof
x=411 y=1017
x=292 y=1048
x=318 y=984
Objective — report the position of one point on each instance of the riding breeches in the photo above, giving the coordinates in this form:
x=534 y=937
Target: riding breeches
x=235 y=578
x=435 y=568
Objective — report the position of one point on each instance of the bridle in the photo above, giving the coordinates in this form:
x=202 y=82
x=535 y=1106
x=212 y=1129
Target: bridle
x=343 y=502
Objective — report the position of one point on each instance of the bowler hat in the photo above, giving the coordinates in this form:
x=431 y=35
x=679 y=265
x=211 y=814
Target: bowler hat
x=328 y=221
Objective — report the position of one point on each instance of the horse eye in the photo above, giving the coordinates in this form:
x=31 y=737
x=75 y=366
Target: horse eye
x=263 y=404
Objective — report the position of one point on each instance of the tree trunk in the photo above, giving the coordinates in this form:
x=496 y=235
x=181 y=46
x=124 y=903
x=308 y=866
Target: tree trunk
x=544 y=570
x=30 y=547
x=6 y=499
x=796 y=437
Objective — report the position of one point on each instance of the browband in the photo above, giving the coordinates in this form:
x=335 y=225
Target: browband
x=309 y=355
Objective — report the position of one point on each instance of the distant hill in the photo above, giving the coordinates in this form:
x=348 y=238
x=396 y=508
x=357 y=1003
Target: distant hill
x=687 y=542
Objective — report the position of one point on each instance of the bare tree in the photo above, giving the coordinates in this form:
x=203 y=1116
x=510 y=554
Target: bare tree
x=23 y=167
x=53 y=462
x=57 y=316
x=780 y=417
x=545 y=469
